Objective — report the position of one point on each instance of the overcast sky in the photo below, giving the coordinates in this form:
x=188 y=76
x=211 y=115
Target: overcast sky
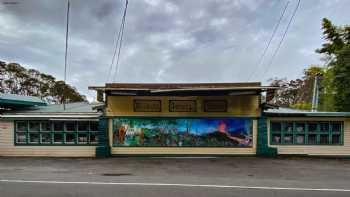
x=165 y=40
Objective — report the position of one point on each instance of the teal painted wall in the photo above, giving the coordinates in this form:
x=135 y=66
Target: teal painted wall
x=262 y=148
x=103 y=149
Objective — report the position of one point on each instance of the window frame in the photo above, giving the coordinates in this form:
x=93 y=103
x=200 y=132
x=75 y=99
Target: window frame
x=43 y=131
x=306 y=133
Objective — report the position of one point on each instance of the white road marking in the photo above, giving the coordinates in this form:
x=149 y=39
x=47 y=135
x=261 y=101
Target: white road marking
x=178 y=185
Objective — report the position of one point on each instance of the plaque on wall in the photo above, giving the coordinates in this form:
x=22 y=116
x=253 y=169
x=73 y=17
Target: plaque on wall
x=147 y=105
x=182 y=106
x=215 y=106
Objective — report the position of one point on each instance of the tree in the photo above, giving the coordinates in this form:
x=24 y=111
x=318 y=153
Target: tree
x=337 y=52
x=15 y=79
x=297 y=93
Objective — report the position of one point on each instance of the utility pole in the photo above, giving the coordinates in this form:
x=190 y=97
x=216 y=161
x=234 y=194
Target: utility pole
x=316 y=93
x=65 y=59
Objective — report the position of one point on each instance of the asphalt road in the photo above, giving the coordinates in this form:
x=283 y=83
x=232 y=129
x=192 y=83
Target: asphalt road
x=169 y=177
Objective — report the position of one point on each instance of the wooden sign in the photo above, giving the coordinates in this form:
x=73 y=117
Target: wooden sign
x=147 y=105
x=215 y=106
x=182 y=106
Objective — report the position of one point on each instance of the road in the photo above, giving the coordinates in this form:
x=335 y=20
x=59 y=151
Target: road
x=246 y=176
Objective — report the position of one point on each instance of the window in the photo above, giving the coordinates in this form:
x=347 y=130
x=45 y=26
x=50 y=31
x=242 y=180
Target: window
x=56 y=132
x=58 y=126
x=306 y=133
x=45 y=138
x=70 y=126
x=83 y=126
x=45 y=126
x=94 y=126
x=34 y=126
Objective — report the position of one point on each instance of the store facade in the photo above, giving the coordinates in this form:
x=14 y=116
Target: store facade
x=182 y=119
x=202 y=119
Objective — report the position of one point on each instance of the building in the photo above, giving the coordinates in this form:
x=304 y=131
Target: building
x=29 y=127
x=224 y=119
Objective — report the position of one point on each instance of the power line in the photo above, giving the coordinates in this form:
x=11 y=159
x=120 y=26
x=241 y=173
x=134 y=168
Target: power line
x=281 y=41
x=121 y=41
x=65 y=58
x=269 y=42
x=115 y=50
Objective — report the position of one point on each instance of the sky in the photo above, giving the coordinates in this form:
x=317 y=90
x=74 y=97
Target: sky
x=166 y=40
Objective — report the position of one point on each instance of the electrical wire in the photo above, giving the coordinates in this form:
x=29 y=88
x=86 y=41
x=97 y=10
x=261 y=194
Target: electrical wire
x=260 y=61
x=115 y=48
x=120 y=42
x=118 y=46
x=281 y=41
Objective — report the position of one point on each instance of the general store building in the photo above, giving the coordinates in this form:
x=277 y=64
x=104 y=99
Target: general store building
x=192 y=119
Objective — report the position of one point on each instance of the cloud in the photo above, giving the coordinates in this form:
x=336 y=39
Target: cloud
x=164 y=40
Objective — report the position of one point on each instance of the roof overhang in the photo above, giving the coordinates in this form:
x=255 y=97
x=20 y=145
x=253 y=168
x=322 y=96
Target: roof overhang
x=184 y=89
x=45 y=116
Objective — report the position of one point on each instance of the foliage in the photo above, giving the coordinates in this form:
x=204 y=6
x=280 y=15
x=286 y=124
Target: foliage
x=337 y=51
x=335 y=77
x=297 y=93
x=15 y=79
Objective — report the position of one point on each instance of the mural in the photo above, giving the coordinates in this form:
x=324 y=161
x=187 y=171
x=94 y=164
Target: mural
x=187 y=132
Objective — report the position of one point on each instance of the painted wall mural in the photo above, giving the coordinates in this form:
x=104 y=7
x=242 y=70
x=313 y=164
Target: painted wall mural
x=186 y=132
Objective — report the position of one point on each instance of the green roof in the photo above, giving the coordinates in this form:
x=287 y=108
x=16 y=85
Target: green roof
x=78 y=107
x=303 y=113
x=15 y=101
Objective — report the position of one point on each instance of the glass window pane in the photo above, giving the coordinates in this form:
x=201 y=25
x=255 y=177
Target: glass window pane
x=312 y=127
x=324 y=139
x=324 y=127
x=93 y=138
x=57 y=138
x=70 y=138
x=288 y=126
x=299 y=139
x=71 y=126
x=34 y=138
x=94 y=126
x=22 y=126
x=46 y=138
x=34 y=126
x=336 y=139
x=336 y=127
x=21 y=138
x=312 y=139
x=288 y=139
x=46 y=126
x=276 y=138
x=82 y=138
x=83 y=126
x=58 y=126
x=300 y=127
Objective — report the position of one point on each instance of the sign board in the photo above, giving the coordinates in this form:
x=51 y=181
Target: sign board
x=147 y=105
x=215 y=106
x=182 y=106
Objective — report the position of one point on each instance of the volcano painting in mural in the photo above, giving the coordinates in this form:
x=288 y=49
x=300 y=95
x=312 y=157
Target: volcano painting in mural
x=186 y=132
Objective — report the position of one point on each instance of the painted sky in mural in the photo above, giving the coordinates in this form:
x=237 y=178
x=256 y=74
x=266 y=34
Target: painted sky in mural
x=203 y=132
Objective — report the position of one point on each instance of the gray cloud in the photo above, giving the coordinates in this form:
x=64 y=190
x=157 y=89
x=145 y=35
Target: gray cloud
x=165 y=40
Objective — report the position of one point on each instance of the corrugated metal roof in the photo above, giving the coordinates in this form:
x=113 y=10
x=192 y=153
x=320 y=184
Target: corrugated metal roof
x=180 y=86
x=73 y=110
x=15 y=99
x=78 y=107
x=281 y=111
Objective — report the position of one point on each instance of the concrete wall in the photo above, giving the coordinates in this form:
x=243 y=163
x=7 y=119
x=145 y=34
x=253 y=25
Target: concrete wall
x=316 y=150
x=7 y=147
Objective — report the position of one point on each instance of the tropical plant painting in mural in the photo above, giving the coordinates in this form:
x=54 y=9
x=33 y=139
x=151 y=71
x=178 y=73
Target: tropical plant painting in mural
x=177 y=132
